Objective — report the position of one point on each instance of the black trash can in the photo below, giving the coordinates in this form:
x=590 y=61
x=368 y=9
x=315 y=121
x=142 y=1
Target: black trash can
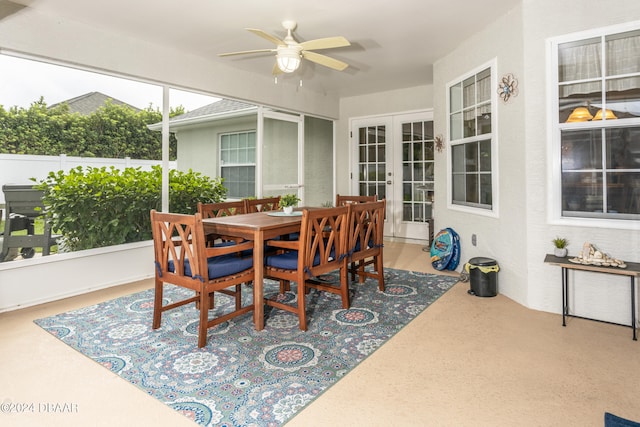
x=483 y=275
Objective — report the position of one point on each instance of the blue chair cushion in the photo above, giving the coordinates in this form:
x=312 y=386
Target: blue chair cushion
x=611 y=420
x=357 y=246
x=289 y=260
x=220 y=266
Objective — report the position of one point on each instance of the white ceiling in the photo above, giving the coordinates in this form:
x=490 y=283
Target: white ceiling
x=393 y=44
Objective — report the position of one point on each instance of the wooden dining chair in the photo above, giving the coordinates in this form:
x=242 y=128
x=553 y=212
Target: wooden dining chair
x=215 y=210
x=321 y=249
x=346 y=200
x=365 y=247
x=265 y=204
x=182 y=259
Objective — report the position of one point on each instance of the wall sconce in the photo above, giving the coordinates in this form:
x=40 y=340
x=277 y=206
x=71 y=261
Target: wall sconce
x=580 y=114
x=608 y=115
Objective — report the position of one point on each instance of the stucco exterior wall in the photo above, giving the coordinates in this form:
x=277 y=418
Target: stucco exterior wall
x=199 y=147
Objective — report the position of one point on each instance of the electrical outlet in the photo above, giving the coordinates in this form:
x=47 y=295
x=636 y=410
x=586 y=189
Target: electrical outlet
x=474 y=240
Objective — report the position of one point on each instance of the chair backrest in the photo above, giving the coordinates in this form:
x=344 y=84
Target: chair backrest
x=179 y=247
x=262 y=205
x=347 y=200
x=323 y=239
x=366 y=232
x=214 y=210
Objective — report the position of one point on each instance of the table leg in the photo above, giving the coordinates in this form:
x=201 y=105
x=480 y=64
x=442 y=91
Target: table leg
x=258 y=283
x=565 y=295
x=633 y=307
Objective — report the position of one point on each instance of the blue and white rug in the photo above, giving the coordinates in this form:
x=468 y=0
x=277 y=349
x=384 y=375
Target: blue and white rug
x=244 y=377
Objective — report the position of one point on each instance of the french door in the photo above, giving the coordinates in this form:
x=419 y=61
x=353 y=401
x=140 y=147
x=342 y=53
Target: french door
x=393 y=157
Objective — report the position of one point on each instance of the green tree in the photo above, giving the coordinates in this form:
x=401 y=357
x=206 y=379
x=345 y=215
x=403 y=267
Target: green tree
x=114 y=131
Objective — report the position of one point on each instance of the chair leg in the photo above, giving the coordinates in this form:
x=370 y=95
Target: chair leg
x=344 y=286
x=285 y=286
x=352 y=269
x=380 y=270
x=302 y=309
x=361 y=276
x=204 y=319
x=238 y=297
x=157 y=304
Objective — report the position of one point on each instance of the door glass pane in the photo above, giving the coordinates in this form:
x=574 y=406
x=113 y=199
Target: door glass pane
x=372 y=160
x=406 y=132
x=417 y=171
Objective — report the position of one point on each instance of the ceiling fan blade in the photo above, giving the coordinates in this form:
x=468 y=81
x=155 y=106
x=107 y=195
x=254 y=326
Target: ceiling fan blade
x=272 y=39
x=244 y=52
x=326 y=43
x=8 y=8
x=324 y=60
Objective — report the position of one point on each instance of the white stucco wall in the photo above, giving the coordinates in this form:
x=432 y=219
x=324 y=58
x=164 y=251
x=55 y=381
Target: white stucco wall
x=502 y=238
x=601 y=296
x=520 y=237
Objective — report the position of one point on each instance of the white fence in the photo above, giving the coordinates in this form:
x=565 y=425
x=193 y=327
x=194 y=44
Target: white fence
x=19 y=169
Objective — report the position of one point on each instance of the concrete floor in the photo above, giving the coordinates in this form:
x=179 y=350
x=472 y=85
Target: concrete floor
x=465 y=361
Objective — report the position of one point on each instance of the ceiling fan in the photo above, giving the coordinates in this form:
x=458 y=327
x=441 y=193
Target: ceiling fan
x=289 y=52
x=8 y=7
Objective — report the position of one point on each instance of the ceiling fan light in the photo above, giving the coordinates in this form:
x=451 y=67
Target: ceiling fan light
x=288 y=60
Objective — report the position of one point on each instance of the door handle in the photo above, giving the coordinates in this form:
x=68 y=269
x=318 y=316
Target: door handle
x=388 y=182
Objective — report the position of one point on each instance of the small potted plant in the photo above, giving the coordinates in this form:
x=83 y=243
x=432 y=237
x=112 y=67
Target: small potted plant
x=288 y=201
x=560 y=244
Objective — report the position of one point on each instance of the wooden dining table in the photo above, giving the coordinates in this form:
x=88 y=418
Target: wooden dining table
x=258 y=227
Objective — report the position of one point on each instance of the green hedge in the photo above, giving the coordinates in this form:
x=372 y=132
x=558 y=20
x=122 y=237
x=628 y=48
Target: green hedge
x=100 y=207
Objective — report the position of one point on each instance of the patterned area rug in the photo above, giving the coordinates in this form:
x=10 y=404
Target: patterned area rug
x=244 y=377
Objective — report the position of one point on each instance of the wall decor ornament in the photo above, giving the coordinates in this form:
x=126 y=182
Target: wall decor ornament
x=439 y=143
x=508 y=87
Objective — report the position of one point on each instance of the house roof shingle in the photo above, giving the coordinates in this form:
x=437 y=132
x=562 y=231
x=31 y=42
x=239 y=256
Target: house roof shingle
x=223 y=106
x=90 y=102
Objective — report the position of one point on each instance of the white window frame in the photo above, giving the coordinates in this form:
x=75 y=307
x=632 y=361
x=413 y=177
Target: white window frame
x=554 y=177
x=221 y=165
x=493 y=136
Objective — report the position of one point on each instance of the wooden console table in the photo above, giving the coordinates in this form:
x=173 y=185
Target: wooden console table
x=632 y=271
